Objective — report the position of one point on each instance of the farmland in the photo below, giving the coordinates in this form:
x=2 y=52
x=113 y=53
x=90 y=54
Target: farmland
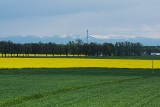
x=76 y=63
x=79 y=82
x=79 y=87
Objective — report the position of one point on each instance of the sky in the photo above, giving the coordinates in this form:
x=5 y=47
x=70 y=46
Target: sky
x=103 y=18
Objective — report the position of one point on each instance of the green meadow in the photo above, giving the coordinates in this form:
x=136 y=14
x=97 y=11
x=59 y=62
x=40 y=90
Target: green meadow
x=79 y=87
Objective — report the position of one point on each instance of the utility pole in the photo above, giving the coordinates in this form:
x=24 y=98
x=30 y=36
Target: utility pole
x=152 y=54
x=152 y=63
x=152 y=66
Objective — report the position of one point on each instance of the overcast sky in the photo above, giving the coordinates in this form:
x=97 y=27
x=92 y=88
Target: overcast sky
x=112 y=18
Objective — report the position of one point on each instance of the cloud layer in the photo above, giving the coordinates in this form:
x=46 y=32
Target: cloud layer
x=102 y=17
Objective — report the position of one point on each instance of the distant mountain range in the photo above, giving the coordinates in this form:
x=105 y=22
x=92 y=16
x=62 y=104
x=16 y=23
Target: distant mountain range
x=64 y=40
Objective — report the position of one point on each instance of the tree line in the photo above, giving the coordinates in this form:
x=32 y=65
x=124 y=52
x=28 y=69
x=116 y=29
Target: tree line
x=77 y=47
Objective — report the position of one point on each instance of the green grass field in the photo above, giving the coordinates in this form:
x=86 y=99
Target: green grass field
x=81 y=87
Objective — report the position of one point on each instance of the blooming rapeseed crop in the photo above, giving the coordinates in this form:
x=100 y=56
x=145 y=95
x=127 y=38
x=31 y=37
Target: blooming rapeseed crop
x=75 y=62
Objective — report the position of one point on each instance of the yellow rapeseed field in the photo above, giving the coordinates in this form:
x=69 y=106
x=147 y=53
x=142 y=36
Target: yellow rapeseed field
x=75 y=62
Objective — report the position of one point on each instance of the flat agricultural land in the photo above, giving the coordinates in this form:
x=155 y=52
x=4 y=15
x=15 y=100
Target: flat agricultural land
x=78 y=62
x=79 y=87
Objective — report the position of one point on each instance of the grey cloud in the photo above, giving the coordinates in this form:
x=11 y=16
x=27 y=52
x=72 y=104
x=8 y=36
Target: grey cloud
x=47 y=17
x=22 y=8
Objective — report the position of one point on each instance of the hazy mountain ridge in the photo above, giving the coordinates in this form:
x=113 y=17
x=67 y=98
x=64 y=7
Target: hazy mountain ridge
x=64 y=40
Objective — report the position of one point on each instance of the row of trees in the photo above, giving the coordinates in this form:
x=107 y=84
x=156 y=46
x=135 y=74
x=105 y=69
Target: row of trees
x=77 y=47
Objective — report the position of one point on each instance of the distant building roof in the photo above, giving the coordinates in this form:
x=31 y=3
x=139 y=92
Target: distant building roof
x=157 y=54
